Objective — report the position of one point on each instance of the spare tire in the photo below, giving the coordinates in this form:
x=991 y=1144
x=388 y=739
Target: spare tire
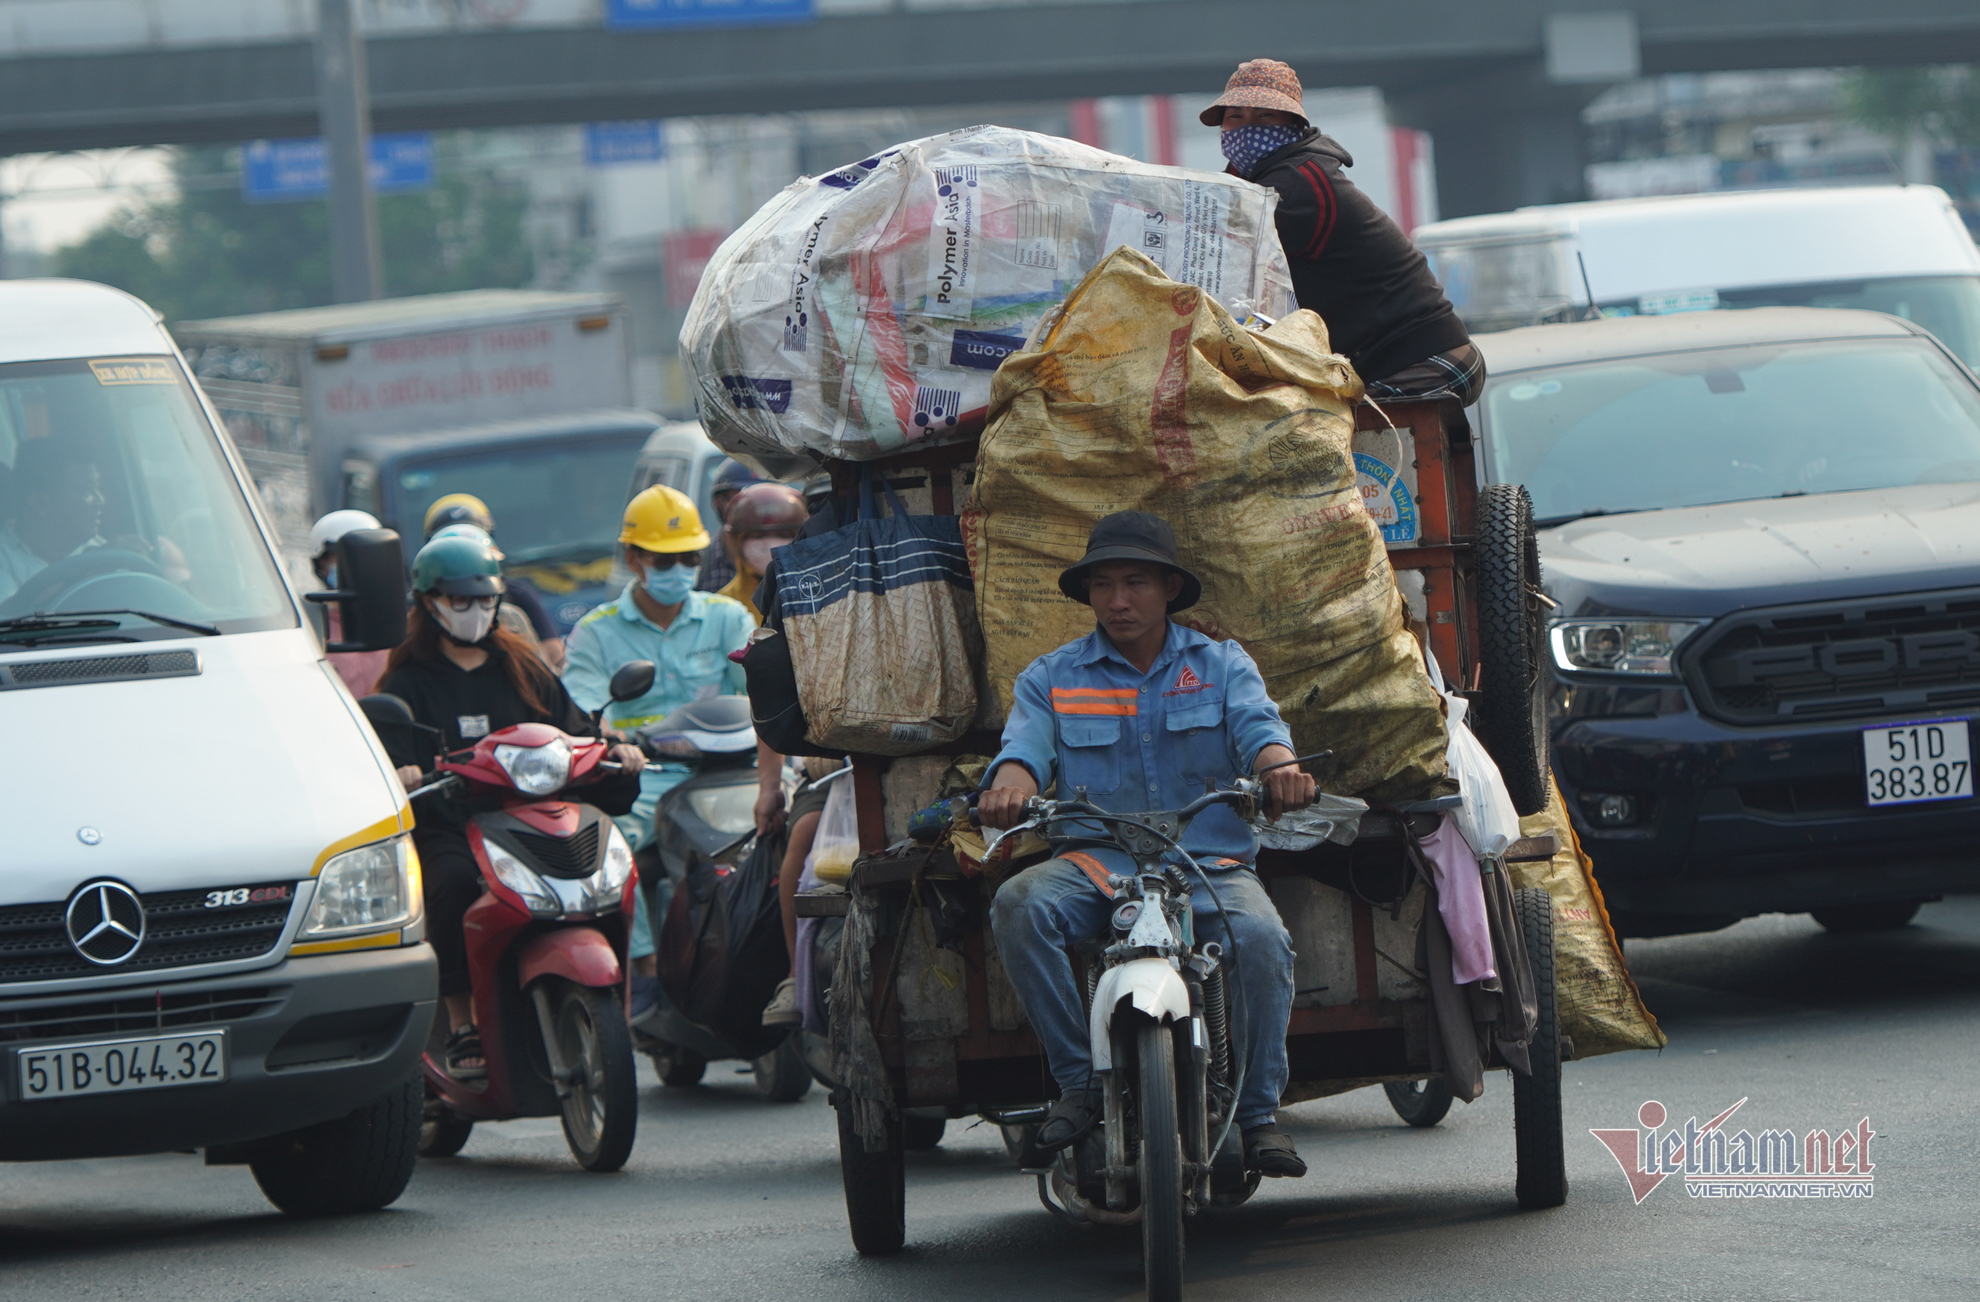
x=1510 y=711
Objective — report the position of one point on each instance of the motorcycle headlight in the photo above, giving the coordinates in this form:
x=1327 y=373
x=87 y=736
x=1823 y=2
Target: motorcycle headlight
x=1609 y=646
x=375 y=887
x=522 y=879
x=603 y=888
x=536 y=770
x=726 y=809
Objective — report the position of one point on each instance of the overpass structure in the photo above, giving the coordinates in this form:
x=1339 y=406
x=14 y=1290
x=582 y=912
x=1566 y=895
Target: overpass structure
x=1499 y=83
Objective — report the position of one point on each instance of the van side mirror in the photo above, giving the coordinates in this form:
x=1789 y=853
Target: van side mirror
x=372 y=598
x=632 y=680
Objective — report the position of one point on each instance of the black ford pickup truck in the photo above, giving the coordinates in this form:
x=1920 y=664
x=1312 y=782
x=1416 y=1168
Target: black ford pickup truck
x=1761 y=530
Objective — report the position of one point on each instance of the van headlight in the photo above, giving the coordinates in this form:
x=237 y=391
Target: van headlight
x=1627 y=646
x=375 y=887
x=536 y=770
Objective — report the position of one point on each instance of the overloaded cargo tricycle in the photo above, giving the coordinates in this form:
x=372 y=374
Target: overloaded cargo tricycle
x=924 y=1021
x=995 y=340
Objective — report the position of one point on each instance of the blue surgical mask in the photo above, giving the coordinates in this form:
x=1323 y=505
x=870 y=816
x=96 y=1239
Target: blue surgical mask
x=671 y=586
x=1245 y=147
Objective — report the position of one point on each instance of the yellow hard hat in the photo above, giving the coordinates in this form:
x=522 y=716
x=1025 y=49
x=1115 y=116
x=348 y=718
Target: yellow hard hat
x=662 y=519
x=458 y=508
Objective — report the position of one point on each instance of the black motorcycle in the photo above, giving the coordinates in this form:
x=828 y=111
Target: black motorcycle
x=711 y=884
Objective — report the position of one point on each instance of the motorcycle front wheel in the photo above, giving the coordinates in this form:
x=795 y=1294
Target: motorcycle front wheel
x=601 y=1109
x=1161 y=1164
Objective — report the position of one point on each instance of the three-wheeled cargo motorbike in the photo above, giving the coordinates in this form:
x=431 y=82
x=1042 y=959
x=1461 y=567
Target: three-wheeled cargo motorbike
x=922 y=1016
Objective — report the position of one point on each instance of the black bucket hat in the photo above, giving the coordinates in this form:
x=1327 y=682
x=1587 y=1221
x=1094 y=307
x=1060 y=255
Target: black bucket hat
x=1131 y=536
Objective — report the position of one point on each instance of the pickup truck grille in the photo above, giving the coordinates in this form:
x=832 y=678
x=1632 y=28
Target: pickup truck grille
x=1840 y=660
x=181 y=930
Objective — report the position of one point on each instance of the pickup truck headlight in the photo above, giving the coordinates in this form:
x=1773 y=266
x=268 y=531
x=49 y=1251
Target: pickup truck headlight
x=1627 y=646
x=375 y=887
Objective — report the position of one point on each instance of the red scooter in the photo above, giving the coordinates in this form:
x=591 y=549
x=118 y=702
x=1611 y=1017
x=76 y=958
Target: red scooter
x=546 y=942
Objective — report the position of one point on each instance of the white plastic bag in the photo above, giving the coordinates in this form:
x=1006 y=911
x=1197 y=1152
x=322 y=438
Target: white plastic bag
x=836 y=844
x=1487 y=820
x=866 y=309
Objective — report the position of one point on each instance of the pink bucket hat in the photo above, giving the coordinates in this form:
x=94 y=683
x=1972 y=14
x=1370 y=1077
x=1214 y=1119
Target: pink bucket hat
x=1258 y=83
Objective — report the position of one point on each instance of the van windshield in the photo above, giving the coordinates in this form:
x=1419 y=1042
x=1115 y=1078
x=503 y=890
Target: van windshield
x=1732 y=424
x=1948 y=306
x=115 y=496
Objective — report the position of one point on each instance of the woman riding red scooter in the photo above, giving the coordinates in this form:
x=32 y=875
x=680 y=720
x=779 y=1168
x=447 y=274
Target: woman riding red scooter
x=462 y=674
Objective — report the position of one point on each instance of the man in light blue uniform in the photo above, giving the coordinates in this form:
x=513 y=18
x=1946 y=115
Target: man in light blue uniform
x=1143 y=713
x=688 y=636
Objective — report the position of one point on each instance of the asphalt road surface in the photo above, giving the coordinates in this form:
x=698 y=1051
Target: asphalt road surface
x=728 y=1197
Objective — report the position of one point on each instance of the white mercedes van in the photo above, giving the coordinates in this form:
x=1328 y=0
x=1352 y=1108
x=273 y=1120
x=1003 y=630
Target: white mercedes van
x=210 y=923
x=1900 y=249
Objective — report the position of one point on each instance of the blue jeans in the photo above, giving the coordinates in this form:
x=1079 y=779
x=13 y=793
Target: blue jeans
x=637 y=828
x=1044 y=910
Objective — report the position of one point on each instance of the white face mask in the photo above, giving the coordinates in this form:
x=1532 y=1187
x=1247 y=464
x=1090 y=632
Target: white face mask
x=470 y=625
x=757 y=551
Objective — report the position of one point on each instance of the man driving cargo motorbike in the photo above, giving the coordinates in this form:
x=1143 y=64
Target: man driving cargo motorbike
x=1145 y=714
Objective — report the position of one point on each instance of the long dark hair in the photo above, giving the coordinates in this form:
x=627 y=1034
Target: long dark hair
x=528 y=676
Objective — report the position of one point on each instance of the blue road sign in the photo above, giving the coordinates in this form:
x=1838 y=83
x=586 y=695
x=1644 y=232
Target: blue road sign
x=648 y=14
x=606 y=143
x=288 y=171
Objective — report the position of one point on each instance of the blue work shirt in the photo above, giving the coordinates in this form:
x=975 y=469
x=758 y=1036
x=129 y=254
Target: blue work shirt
x=690 y=663
x=1085 y=717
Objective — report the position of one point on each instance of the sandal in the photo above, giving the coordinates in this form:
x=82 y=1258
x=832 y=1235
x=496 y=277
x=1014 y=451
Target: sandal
x=464 y=1060
x=1269 y=1151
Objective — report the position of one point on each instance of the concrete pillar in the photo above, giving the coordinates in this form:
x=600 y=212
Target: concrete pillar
x=1504 y=137
x=343 y=99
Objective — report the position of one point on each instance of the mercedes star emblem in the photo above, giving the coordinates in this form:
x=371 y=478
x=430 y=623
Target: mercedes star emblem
x=105 y=922
x=89 y=836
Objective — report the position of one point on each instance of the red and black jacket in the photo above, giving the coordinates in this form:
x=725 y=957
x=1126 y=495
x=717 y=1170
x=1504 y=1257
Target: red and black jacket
x=1353 y=265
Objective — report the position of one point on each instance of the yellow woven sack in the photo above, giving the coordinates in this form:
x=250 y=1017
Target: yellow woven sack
x=1145 y=395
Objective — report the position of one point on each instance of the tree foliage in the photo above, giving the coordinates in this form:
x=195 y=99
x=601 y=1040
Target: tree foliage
x=207 y=252
x=1943 y=103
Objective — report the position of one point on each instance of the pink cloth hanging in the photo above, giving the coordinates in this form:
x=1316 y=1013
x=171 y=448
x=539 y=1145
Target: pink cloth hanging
x=1461 y=901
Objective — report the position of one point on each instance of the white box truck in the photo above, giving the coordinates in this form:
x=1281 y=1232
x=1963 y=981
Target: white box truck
x=310 y=394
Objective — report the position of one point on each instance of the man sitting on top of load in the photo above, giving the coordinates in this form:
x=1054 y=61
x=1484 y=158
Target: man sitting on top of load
x=1384 y=311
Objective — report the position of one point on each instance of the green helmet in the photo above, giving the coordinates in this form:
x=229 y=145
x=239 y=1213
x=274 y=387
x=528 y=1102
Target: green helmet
x=458 y=567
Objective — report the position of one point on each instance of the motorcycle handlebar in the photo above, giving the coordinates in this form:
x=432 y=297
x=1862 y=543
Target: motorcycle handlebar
x=1037 y=808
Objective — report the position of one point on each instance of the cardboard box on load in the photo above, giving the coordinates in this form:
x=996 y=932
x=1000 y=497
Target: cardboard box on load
x=866 y=310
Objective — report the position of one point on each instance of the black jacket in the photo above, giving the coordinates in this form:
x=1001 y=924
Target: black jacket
x=1355 y=267
x=467 y=705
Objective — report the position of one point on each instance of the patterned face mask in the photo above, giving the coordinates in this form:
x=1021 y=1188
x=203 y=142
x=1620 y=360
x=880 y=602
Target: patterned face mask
x=1245 y=146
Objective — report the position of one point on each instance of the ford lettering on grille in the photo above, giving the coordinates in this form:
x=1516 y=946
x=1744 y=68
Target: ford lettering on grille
x=1840 y=660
